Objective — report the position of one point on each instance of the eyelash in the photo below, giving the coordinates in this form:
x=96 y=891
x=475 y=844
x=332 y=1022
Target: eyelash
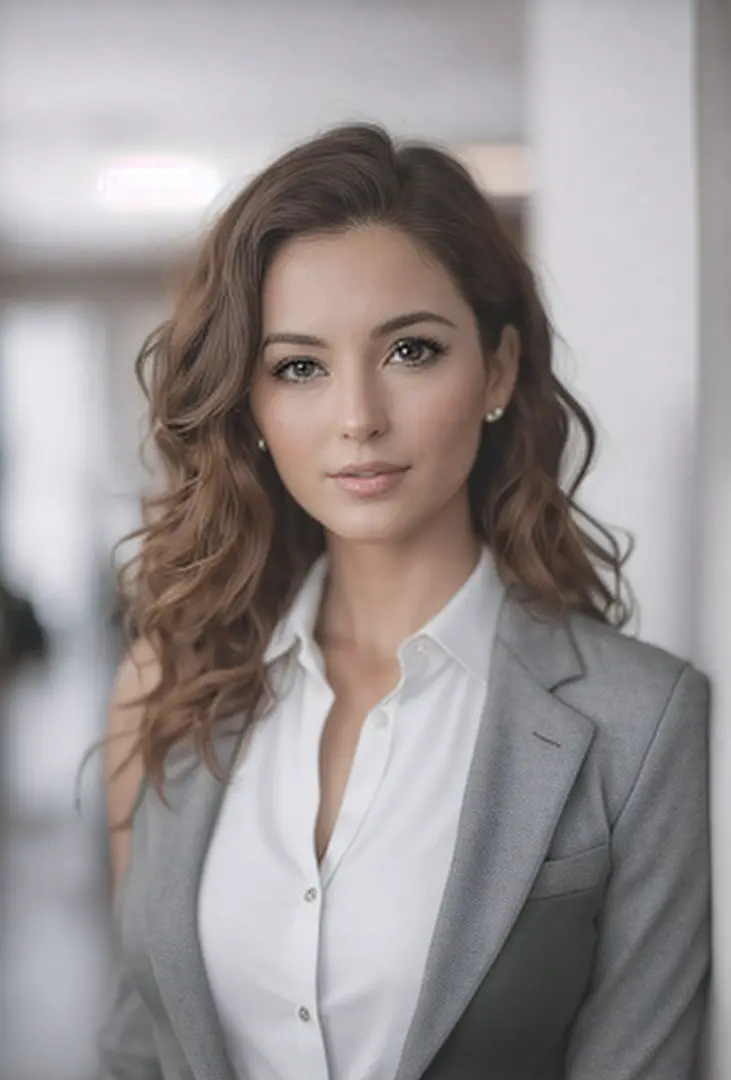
x=436 y=348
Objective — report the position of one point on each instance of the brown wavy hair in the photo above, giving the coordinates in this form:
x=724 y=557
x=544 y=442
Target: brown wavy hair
x=223 y=546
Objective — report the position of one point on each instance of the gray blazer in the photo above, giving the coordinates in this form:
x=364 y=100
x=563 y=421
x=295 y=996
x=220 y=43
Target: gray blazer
x=572 y=942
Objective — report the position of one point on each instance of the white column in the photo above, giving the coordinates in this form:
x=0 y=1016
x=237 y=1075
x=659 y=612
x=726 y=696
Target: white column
x=714 y=480
x=614 y=237
x=629 y=115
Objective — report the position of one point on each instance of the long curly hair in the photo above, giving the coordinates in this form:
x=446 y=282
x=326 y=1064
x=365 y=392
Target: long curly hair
x=223 y=547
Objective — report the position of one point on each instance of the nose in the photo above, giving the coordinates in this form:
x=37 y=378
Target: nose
x=362 y=411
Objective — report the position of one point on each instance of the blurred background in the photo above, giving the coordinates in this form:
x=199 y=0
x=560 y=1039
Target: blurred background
x=603 y=133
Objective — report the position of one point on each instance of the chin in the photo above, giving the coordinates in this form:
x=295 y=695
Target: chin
x=389 y=529
x=364 y=537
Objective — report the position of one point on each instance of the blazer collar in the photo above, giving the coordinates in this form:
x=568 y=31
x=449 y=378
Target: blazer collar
x=545 y=647
x=529 y=749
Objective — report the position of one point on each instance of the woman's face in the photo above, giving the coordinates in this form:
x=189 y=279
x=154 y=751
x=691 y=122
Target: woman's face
x=371 y=363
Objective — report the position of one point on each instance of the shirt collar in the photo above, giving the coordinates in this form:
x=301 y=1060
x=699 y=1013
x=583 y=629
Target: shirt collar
x=464 y=628
x=297 y=625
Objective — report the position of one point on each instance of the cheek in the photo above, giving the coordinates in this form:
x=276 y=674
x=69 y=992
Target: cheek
x=450 y=424
x=294 y=434
x=283 y=416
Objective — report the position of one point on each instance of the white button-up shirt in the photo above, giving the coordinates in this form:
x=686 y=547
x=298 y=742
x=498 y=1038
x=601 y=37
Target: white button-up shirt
x=316 y=970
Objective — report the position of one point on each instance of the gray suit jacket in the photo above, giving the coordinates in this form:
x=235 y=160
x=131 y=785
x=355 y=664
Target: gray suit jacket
x=572 y=942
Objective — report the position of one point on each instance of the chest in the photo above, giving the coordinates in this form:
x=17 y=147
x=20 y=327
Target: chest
x=345 y=923
x=357 y=689
x=348 y=769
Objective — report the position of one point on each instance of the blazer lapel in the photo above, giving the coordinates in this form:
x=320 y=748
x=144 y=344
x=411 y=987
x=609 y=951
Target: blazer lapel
x=529 y=750
x=178 y=840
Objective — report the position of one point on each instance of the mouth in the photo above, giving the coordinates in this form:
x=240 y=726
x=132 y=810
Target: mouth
x=374 y=468
x=369 y=480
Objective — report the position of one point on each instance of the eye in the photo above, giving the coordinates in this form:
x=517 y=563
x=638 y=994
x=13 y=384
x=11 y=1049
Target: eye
x=299 y=369
x=417 y=351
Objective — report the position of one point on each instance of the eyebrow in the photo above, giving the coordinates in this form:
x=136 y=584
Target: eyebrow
x=399 y=322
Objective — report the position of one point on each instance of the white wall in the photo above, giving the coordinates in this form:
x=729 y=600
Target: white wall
x=614 y=237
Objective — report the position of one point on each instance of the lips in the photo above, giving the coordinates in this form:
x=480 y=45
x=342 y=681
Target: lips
x=376 y=479
x=378 y=468
x=370 y=472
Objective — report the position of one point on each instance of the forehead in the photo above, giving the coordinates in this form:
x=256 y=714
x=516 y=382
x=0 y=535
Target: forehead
x=366 y=275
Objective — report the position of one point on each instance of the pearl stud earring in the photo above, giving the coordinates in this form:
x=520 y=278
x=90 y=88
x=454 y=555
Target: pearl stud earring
x=494 y=414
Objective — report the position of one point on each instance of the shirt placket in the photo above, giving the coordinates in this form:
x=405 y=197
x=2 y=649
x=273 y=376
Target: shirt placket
x=366 y=774
x=309 y=1034
x=307 y=921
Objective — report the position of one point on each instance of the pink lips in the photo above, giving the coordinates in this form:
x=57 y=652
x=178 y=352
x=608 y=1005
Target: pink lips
x=373 y=479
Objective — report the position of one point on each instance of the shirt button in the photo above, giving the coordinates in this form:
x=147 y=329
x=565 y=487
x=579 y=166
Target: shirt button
x=304 y=1014
x=311 y=895
x=380 y=719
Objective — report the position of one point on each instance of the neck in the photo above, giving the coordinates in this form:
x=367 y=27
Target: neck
x=378 y=594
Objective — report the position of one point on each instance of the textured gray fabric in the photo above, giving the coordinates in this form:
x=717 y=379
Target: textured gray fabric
x=572 y=942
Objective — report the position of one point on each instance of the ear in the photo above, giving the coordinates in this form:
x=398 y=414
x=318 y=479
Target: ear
x=503 y=369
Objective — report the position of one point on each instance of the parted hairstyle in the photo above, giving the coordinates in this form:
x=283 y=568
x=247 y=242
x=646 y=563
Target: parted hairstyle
x=223 y=546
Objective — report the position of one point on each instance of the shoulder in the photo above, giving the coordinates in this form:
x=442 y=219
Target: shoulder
x=137 y=674
x=136 y=677
x=624 y=668
x=640 y=698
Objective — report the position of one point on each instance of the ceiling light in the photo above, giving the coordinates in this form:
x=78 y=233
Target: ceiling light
x=157 y=183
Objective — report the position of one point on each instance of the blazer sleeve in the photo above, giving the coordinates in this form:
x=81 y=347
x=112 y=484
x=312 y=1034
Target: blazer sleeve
x=642 y=1014
x=125 y=1040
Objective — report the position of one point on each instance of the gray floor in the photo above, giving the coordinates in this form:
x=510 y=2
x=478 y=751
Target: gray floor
x=54 y=933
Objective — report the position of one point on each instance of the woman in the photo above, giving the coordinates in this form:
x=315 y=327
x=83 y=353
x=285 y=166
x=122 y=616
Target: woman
x=398 y=799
